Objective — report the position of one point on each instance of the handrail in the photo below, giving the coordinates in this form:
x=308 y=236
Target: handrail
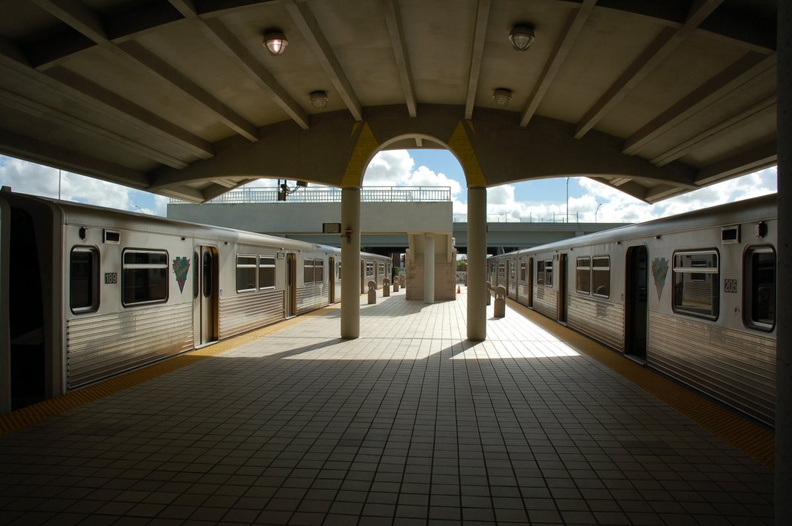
x=368 y=194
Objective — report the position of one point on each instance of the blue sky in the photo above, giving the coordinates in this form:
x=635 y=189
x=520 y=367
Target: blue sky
x=538 y=200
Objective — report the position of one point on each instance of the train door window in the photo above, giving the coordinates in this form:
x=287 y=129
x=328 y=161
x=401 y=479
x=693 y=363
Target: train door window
x=208 y=272
x=522 y=271
x=266 y=272
x=696 y=278
x=501 y=273
x=583 y=275
x=145 y=277
x=338 y=271
x=195 y=275
x=760 y=288
x=308 y=271
x=246 y=271
x=84 y=280
x=600 y=276
x=319 y=271
x=540 y=268
x=512 y=271
x=548 y=271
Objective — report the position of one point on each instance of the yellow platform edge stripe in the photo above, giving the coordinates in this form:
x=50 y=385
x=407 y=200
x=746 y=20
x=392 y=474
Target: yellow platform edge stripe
x=751 y=438
x=41 y=411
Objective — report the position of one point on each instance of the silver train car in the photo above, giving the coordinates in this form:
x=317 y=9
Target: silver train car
x=691 y=296
x=89 y=292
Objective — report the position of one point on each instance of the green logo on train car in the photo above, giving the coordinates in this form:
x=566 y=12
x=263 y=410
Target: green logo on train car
x=181 y=266
x=659 y=272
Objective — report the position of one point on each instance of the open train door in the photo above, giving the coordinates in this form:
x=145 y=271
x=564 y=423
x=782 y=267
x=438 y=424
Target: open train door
x=561 y=276
x=635 y=304
x=290 y=299
x=331 y=271
x=205 y=295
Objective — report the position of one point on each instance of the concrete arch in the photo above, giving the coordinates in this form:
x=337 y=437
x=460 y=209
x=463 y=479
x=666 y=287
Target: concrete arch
x=492 y=148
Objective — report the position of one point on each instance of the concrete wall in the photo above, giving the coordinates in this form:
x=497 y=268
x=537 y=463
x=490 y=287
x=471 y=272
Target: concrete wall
x=291 y=218
x=445 y=279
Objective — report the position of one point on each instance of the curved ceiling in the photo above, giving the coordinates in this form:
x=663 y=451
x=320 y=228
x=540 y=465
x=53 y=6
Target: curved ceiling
x=167 y=96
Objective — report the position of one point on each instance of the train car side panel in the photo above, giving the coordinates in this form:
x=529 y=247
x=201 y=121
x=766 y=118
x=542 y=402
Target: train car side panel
x=735 y=367
x=100 y=346
x=601 y=320
x=245 y=312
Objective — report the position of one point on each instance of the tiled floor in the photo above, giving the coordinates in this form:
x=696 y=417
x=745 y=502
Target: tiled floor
x=409 y=424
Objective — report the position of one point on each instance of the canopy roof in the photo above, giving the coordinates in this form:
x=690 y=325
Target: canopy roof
x=181 y=98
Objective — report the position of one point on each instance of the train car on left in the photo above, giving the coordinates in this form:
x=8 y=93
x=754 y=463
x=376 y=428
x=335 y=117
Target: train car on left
x=92 y=292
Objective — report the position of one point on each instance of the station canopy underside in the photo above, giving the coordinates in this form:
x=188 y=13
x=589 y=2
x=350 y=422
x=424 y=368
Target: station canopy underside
x=181 y=98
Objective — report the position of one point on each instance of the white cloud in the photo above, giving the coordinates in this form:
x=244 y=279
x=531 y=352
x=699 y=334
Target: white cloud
x=397 y=168
x=617 y=207
x=29 y=178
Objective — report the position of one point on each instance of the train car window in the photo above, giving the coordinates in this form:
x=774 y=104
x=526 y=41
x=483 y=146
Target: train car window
x=246 y=271
x=600 y=276
x=145 y=277
x=759 y=296
x=319 y=271
x=696 y=278
x=84 y=280
x=266 y=272
x=583 y=275
x=308 y=271
x=369 y=269
x=512 y=271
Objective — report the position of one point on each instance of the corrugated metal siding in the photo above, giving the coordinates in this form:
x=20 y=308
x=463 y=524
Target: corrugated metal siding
x=523 y=292
x=245 y=312
x=311 y=297
x=599 y=319
x=100 y=346
x=737 y=368
x=546 y=301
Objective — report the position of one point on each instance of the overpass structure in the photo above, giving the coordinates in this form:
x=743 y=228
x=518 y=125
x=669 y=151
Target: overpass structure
x=392 y=219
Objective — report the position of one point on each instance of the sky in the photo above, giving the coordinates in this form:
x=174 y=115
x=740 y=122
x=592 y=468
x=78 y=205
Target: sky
x=538 y=200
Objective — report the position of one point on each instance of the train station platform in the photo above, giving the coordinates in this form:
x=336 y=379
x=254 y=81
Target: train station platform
x=408 y=424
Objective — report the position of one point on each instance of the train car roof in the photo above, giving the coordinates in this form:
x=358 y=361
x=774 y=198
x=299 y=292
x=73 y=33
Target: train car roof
x=749 y=210
x=91 y=215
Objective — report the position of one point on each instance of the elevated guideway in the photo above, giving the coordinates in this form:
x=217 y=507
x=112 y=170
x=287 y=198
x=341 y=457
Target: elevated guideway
x=418 y=219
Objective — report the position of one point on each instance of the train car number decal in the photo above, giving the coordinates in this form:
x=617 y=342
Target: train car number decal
x=730 y=285
x=181 y=266
x=111 y=278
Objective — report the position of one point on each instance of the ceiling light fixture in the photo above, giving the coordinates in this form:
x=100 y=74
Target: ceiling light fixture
x=275 y=41
x=521 y=37
x=502 y=96
x=319 y=99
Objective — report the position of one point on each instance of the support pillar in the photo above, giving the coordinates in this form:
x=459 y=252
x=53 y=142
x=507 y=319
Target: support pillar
x=429 y=268
x=477 y=264
x=350 y=263
x=783 y=415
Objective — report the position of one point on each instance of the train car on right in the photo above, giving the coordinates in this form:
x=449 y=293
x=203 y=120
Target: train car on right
x=692 y=296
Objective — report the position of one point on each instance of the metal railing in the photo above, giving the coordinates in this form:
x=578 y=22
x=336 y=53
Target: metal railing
x=368 y=194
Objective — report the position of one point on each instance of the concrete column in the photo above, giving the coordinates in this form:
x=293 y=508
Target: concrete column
x=477 y=264
x=429 y=268
x=783 y=416
x=350 y=264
